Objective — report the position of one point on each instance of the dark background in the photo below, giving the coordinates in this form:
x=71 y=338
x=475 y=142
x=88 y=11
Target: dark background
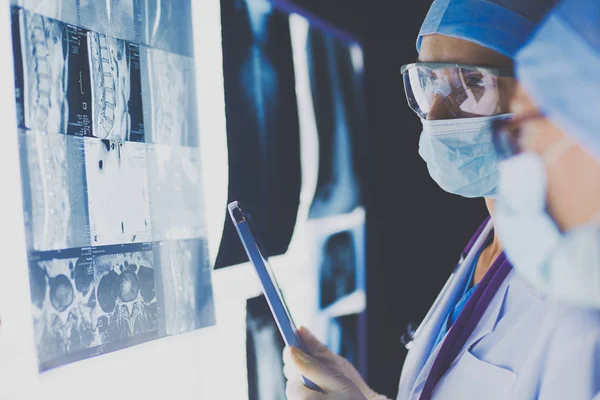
x=415 y=231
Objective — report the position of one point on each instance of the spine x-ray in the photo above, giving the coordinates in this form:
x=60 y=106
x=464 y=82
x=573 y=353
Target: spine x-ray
x=263 y=131
x=112 y=191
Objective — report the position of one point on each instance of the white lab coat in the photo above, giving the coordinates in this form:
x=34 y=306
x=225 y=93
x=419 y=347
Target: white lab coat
x=523 y=348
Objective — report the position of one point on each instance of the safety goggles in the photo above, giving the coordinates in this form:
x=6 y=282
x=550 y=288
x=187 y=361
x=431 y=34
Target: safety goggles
x=508 y=134
x=444 y=91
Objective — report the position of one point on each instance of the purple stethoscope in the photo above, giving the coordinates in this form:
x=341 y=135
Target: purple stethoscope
x=466 y=322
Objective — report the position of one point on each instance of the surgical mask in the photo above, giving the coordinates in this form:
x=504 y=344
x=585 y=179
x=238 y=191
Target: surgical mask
x=460 y=154
x=564 y=265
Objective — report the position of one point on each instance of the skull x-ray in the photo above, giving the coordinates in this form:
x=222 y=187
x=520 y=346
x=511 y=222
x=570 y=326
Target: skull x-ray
x=335 y=69
x=112 y=180
x=264 y=349
x=262 y=124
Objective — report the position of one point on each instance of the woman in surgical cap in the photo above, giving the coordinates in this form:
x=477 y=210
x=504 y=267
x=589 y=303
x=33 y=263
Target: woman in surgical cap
x=490 y=334
x=548 y=210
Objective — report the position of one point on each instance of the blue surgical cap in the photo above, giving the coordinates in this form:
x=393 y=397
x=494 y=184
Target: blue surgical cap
x=560 y=69
x=500 y=25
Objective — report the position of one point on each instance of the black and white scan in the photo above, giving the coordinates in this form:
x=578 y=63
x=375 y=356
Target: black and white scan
x=61 y=10
x=342 y=337
x=118 y=192
x=184 y=286
x=87 y=302
x=116 y=88
x=262 y=124
x=121 y=19
x=264 y=349
x=335 y=73
x=338 y=269
x=167 y=25
x=55 y=206
x=168 y=85
x=113 y=201
x=53 y=91
x=176 y=194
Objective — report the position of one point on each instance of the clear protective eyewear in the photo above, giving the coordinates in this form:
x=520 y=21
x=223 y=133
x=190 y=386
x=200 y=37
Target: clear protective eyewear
x=445 y=91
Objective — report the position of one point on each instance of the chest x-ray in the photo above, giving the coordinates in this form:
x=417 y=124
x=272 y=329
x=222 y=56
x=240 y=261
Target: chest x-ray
x=262 y=124
x=112 y=190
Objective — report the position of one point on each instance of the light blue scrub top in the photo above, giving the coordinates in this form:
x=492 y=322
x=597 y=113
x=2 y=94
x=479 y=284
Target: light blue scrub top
x=460 y=305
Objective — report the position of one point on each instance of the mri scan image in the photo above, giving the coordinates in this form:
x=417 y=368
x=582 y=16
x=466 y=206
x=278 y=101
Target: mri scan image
x=117 y=185
x=88 y=302
x=52 y=79
x=184 y=286
x=116 y=88
x=53 y=168
x=168 y=85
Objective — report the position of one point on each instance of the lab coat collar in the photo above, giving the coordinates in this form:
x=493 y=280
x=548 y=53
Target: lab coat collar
x=426 y=334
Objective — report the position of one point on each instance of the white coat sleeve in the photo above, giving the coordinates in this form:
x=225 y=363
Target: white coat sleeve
x=572 y=370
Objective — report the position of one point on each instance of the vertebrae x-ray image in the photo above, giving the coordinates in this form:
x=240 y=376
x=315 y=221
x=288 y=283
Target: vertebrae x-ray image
x=53 y=170
x=184 y=286
x=338 y=269
x=264 y=350
x=86 y=303
x=116 y=88
x=262 y=124
x=114 y=217
x=168 y=85
x=335 y=69
x=52 y=78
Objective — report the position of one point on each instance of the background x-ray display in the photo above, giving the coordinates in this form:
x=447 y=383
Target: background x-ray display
x=342 y=337
x=264 y=349
x=262 y=124
x=114 y=212
x=336 y=71
x=338 y=268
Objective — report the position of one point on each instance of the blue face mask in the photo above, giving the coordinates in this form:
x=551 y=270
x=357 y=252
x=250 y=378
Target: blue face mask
x=460 y=155
x=564 y=265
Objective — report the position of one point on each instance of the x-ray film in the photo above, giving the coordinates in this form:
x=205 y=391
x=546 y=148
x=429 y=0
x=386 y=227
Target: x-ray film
x=168 y=85
x=335 y=69
x=88 y=301
x=338 y=268
x=176 y=196
x=120 y=19
x=342 y=337
x=53 y=89
x=184 y=286
x=117 y=183
x=264 y=349
x=114 y=213
x=61 y=10
x=53 y=172
x=167 y=25
x=116 y=88
x=262 y=124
